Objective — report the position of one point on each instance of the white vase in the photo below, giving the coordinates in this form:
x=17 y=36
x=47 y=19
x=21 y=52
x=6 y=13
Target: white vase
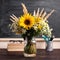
x=49 y=46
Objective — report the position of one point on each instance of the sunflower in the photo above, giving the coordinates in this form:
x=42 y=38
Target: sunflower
x=38 y=19
x=26 y=21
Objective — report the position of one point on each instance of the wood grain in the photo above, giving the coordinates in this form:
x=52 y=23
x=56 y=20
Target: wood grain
x=41 y=55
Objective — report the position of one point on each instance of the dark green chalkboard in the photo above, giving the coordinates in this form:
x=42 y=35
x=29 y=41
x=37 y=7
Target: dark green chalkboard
x=8 y=7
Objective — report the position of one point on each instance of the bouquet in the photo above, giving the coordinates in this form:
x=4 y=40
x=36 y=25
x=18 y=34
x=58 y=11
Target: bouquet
x=30 y=25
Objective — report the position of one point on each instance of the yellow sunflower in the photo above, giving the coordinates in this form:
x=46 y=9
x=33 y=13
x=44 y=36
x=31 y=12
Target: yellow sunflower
x=26 y=21
x=38 y=19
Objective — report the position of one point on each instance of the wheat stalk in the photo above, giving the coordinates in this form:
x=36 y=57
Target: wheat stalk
x=37 y=14
x=34 y=13
x=49 y=15
x=13 y=18
x=42 y=14
x=25 y=11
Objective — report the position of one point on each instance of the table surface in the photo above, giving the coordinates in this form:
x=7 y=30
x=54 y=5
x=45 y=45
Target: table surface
x=41 y=55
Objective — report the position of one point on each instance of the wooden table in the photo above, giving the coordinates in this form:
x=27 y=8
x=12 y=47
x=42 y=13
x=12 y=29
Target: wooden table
x=41 y=55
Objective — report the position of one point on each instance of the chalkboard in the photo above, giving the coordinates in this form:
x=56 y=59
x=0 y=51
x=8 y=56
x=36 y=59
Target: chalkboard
x=8 y=7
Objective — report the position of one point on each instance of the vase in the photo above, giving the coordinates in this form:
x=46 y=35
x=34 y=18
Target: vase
x=49 y=42
x=30 y=47
x=49 y=46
